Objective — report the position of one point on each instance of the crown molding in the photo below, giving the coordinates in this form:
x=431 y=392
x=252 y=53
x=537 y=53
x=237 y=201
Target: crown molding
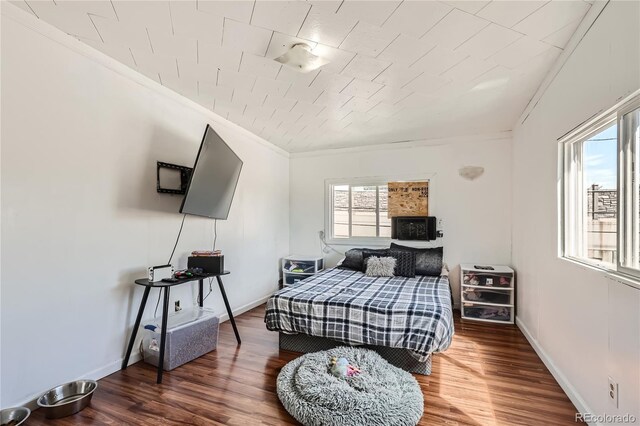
x=505 y=135
x=583 y=28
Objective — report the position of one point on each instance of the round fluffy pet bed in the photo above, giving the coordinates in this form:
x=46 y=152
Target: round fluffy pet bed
x=380 y=394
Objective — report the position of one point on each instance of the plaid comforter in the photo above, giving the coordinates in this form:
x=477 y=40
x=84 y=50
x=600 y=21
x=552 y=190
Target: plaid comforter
x=347 y=306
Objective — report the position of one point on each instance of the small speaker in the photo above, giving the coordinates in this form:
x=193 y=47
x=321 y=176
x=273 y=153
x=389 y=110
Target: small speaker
x=209 y=264
x=422 y=228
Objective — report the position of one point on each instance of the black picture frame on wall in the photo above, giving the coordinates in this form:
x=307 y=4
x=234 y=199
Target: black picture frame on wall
x=416 y=228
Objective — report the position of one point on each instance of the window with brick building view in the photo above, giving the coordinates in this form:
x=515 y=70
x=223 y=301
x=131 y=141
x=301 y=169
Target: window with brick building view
x=360 y=211
x=601 y=191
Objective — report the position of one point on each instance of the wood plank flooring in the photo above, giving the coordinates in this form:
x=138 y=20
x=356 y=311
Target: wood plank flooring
x=489 y=376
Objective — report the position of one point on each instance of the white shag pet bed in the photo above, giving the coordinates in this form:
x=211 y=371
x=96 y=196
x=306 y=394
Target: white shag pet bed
x=380 y=394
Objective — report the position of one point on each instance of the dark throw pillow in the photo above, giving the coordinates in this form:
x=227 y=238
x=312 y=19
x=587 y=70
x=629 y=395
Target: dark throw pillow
x=353 y=259
x=428 y=260
x=405 y=263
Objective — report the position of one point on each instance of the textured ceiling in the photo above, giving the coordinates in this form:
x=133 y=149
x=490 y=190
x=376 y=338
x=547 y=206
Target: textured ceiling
x=399 y=70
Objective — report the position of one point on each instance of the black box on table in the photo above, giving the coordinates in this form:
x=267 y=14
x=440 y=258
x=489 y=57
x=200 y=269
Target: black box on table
x=209 y=264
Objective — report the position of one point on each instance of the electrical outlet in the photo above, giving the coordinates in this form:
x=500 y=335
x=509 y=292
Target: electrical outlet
x=177 y=306
x=613 y=392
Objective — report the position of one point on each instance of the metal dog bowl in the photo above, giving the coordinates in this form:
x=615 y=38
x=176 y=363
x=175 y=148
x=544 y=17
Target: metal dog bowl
x=14 y=416
x=67 y=399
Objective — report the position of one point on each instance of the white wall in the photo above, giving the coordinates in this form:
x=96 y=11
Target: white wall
x=80 y=214
x=587 y=325
x=476 y=214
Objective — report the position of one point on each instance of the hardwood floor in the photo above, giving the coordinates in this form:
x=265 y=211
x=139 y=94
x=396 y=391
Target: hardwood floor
x=489 y=376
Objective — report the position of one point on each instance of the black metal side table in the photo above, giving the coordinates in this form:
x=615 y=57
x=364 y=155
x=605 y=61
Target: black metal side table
x=165 y=311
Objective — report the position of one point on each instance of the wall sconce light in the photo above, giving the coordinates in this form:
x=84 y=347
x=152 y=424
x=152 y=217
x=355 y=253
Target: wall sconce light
x=471 y=172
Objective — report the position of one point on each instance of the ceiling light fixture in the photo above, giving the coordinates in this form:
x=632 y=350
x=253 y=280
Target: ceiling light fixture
x=299 y=57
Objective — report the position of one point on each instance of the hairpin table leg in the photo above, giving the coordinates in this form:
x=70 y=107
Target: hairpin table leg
x=163 y=338
x=134 y=332
x=226 y=304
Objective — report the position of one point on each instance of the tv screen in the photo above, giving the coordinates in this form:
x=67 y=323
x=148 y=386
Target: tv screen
x=213 y=179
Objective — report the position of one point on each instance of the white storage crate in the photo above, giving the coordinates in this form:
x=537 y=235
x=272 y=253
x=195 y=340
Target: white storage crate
x=296 y=268
x=487 y=294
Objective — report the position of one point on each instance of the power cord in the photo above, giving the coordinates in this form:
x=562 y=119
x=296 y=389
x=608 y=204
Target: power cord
x=184 y=216
x=210 y=290
x=326 y=248
x=215 y=233
x=208 y=293
x=177 y=239
x=215 y=239
x=158 y=303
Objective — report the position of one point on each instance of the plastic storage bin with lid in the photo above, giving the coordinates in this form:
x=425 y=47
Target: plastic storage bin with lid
x=191 y=333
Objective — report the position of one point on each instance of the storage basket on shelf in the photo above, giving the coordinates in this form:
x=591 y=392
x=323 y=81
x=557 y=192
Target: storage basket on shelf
x=487 y=293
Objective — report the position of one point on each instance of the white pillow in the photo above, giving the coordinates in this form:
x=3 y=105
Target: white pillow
x=380 y=266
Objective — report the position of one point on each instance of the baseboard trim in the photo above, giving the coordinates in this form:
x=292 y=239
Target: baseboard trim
x=97 y=374
x=562 y=380
x=115 y=366
x=244 y=308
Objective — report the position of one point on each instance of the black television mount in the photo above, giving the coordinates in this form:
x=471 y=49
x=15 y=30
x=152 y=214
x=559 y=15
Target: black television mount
x=185 y=175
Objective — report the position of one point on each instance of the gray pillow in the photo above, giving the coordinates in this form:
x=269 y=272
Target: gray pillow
x=380 y=266
x=428 y=260
x=367 y=253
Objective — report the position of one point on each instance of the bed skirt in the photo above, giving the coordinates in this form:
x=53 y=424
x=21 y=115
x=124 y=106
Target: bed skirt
x=401 y=358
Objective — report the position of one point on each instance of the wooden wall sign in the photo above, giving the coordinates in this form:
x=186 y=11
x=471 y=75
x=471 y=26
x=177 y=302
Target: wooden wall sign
x=408 y=198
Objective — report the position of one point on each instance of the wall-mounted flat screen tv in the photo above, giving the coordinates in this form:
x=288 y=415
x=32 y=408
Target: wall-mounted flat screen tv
x=213 y=180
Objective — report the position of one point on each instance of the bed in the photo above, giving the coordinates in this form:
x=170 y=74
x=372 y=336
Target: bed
x=403 y=319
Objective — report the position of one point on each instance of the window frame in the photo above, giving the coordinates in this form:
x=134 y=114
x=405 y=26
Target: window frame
x=624 y=157
x=567 y=184
x=365 y=181
x=572 y=179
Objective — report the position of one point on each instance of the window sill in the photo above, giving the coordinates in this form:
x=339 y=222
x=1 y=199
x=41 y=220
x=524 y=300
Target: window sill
x=608 y=274
x=369 y=242
x=382 y=242
x=623 y=279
